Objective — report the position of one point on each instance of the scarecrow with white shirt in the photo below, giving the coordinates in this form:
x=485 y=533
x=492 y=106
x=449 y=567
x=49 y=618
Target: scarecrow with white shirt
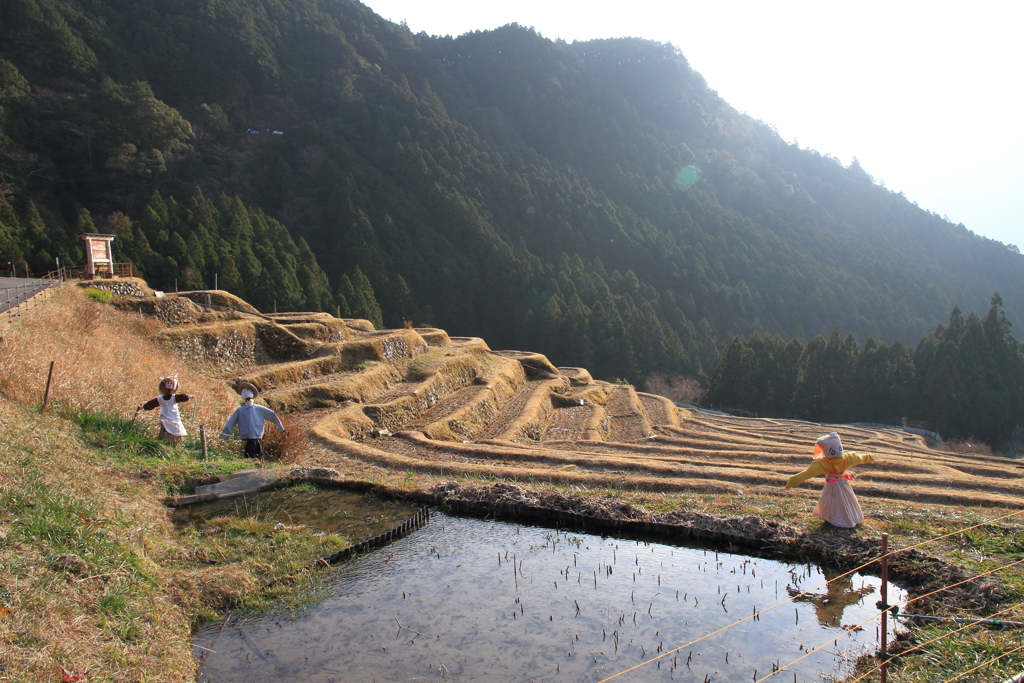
x=249 y=418
x=838 y=503
x=172 y=430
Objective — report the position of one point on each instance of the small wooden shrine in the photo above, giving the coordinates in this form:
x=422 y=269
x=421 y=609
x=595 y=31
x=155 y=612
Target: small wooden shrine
x=99 y=256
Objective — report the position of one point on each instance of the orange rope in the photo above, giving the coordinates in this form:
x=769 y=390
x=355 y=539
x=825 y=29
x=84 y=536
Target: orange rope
x=903 y=604
x=794 y=597
x=991 y=661
x=935 y=640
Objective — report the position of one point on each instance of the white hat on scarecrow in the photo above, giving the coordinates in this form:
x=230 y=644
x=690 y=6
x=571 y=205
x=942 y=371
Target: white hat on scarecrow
x=828 y=446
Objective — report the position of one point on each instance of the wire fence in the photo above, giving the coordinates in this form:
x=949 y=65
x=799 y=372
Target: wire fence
x=22 y=296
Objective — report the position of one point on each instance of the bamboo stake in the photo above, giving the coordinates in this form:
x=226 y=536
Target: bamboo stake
x=134 y=418
x=46 y=396
x=885 y=604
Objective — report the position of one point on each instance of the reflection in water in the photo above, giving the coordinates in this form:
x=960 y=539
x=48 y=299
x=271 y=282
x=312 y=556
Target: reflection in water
x=839 y=594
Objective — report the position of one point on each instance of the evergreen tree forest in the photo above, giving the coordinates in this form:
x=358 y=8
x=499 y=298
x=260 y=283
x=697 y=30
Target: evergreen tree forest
x=594 y=201
x=964 y=380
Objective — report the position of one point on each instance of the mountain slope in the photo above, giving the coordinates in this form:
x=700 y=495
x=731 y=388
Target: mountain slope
x=496 y=184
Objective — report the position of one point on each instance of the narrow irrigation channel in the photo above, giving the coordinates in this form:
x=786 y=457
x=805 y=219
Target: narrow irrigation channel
x=465 y=599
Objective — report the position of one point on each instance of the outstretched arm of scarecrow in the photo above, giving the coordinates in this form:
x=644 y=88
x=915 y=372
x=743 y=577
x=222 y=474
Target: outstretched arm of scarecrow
x=230 y=426
x=153 y=403
x=813 y=470
x=857 y=458
x=270 y=415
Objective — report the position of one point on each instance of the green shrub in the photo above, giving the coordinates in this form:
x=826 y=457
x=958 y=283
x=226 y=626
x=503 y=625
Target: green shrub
x=101 y=295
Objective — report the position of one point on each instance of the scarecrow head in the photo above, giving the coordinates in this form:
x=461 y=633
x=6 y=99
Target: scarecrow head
x=168 y=385
x=247 y=390
x=828 y=446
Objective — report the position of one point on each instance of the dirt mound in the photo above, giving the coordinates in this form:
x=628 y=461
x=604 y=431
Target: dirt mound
x=508 y=492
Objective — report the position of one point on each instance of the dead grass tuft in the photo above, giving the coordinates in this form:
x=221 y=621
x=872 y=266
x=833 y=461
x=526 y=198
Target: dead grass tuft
x=211 y=590
x=284 y=447
x=679 y=389
x=972 y=447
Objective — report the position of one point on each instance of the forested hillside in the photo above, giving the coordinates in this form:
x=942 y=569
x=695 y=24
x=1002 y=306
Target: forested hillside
x=965 y=379
x=594 y=201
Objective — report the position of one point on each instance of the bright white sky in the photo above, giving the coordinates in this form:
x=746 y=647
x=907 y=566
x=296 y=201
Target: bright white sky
x=927 y=94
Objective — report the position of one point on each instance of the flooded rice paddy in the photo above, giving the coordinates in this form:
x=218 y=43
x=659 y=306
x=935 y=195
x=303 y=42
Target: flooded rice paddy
x=471 y=600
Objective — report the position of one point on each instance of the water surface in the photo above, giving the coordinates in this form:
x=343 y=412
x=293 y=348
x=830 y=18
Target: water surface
x=470 y=600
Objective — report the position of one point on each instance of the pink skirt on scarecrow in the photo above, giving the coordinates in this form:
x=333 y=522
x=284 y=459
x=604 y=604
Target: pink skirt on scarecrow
x=838 y=503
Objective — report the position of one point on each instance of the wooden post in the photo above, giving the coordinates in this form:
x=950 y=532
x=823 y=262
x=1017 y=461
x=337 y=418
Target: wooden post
x=275 y=305
x=46 y=396
x=885 y=604
x=202 y=439
x=339 y=312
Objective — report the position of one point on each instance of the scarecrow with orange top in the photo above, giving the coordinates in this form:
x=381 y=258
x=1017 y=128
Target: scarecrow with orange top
x=838 y=503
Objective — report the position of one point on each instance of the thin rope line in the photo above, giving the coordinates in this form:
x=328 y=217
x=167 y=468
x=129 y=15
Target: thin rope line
x=871 y=619
x=903 y=604
x=794 y=597
x=991 y=661
x=934 y=640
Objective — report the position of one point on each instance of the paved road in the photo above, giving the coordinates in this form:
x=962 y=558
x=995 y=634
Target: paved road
x=16 y=290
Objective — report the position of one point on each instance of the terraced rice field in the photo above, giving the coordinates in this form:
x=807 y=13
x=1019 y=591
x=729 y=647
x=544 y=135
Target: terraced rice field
x=418 y=400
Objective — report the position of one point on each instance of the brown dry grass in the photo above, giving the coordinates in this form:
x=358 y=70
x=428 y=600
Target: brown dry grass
x=704 y=452
x=219 y=297
x=287 y=447
x=680 y=389
x=102 y=362
x=973 y=447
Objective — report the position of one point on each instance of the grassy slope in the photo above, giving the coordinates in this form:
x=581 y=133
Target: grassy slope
x=93 y=576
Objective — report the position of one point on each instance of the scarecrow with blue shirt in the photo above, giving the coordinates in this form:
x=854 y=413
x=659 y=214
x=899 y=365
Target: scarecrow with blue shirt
x=249 y=418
